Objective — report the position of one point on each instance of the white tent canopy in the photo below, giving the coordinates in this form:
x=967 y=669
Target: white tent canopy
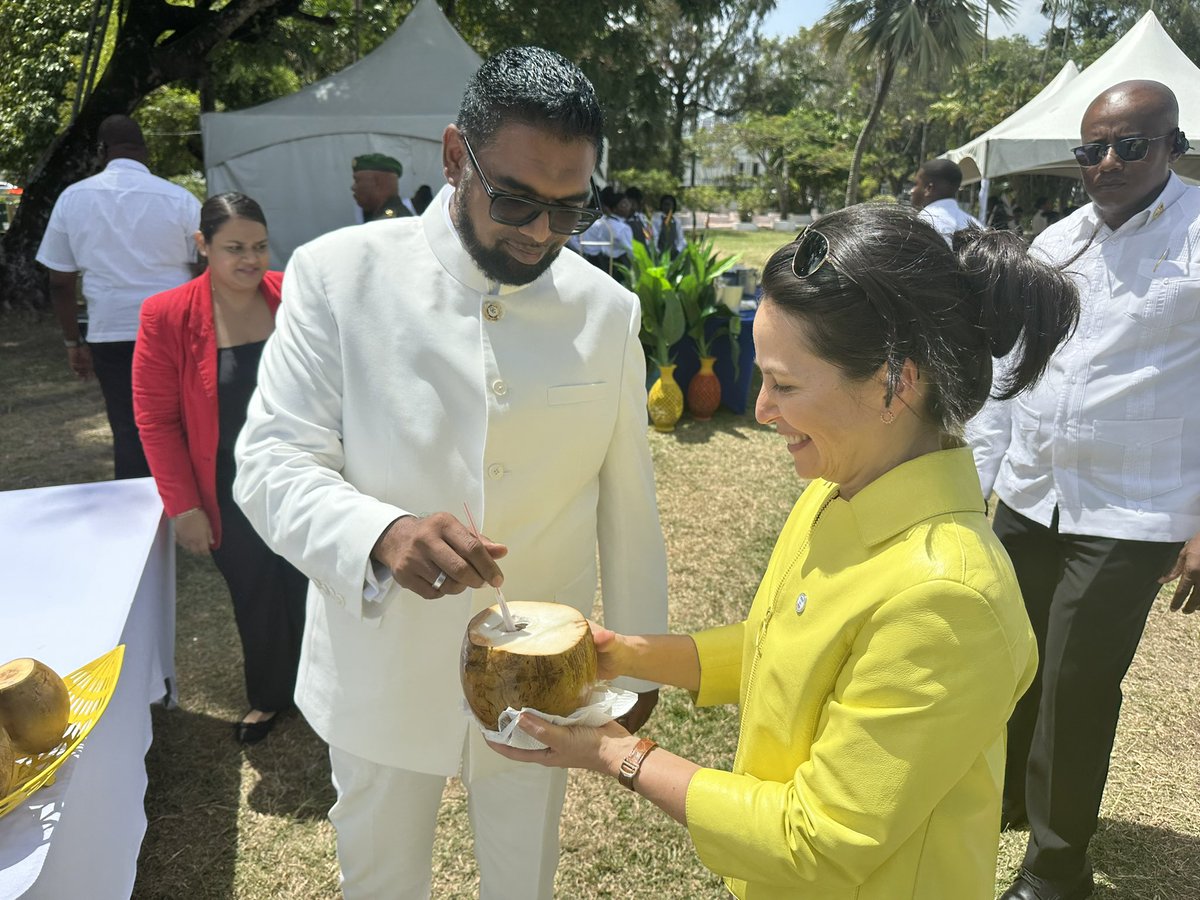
x=974 y=158
x=1041 y=139
x=293 y=154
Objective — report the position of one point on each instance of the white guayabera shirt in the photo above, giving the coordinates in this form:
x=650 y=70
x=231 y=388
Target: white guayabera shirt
x=1111 y=434
x=948 y=217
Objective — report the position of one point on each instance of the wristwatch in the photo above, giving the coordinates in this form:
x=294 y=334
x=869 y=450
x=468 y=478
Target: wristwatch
x=72 y=344
x=632 y=764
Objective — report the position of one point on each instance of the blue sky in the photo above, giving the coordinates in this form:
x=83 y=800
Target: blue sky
x=790 y=15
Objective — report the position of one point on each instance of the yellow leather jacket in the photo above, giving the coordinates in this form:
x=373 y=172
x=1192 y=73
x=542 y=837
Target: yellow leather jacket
x=883 y=654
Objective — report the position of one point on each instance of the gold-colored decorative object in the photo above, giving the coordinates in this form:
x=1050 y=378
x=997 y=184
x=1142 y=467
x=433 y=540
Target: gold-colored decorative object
x=91 y=688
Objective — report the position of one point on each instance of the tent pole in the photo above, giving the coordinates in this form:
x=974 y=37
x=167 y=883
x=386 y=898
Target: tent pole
x=983 y=198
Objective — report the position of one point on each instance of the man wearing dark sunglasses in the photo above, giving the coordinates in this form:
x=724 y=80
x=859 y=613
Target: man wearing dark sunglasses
x=1099 y=473
x=427 y=363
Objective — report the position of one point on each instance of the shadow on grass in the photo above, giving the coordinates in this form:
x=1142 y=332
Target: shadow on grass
x=691 y=431
x=1145 y=862
x=194 y=770
x=196 y=773
x=293 y=772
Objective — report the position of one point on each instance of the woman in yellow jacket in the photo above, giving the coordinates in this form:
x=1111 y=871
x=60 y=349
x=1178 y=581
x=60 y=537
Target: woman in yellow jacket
x=887 y=643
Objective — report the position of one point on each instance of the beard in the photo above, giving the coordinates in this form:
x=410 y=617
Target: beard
x=494 y=262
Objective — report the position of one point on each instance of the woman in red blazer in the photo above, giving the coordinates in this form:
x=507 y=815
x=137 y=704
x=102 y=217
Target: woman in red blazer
x=195 y=367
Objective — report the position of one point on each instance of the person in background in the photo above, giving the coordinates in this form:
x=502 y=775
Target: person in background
x=422 y=198
x=933 y=192
x=608 y=242
x=194 y=369
x=887 y=643
x=376 y=187
x=1043 y=216
x=636 y=219
x=668 y=230
x=420 y=365
x=1000 y=213
x=1098 y=473
x=128 y=234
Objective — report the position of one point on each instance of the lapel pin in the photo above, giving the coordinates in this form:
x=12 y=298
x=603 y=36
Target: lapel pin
x=801 y=603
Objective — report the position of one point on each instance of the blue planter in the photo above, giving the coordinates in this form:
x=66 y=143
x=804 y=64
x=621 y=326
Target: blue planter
x=735 y=391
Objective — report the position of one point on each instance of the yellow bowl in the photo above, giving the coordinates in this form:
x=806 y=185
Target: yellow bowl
x=91 y=687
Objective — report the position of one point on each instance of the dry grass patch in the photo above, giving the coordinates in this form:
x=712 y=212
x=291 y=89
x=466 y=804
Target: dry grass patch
x=227 y=822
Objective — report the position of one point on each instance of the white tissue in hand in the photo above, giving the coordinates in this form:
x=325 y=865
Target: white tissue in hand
x=604 y=704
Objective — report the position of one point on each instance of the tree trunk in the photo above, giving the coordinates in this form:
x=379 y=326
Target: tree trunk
x=784 y=193
x=139 y=64
x=679 y=101
x=883 y=83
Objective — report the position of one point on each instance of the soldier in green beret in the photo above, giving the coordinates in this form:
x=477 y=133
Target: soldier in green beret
x=376 y=186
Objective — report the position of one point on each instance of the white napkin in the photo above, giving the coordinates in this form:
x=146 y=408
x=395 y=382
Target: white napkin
x=605 y=703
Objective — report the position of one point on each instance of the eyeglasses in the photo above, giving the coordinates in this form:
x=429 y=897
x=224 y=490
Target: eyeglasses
x=511 y=209
x=1130 y=149
x=812 y=250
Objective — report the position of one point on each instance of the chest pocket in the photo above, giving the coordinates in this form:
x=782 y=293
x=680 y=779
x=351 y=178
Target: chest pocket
x=1165 y=295
x=568 y=394
x=1138 y=459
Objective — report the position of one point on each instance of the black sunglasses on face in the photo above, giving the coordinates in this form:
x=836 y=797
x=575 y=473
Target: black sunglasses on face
x=1130 y=149
x=812 y=250
x=511 y=209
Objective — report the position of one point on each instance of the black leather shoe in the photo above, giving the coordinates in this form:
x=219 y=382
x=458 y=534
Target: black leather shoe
x=253 y=732
x=1030 y=887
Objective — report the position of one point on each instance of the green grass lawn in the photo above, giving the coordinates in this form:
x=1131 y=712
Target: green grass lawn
x=755 y=247
x=250 y=823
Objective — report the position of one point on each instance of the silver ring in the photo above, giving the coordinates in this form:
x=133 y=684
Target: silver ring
x=439 y=581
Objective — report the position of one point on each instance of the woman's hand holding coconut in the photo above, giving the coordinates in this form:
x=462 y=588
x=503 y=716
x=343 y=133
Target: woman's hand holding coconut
x=437 y=555
x=662 y=777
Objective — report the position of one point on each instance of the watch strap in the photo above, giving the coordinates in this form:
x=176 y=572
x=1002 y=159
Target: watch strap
x=632 y=764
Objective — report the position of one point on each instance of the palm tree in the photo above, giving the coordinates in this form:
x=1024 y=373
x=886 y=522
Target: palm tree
x=924 y=35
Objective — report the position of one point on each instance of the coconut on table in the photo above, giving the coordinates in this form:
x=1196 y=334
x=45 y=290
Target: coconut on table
x=34 y=705
x=547 y=664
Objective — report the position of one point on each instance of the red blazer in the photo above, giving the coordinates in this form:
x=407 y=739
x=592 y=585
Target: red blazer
x=175 y=393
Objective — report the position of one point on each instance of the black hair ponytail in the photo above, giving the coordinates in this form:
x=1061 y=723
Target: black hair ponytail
x=1026 y=307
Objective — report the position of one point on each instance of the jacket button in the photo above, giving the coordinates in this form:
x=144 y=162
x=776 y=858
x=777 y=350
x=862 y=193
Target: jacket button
x=499 y=388
x=495 y=470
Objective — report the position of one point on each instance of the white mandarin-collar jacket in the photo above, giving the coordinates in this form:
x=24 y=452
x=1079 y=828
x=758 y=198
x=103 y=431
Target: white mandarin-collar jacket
x=1111 y=434
x=400 y=380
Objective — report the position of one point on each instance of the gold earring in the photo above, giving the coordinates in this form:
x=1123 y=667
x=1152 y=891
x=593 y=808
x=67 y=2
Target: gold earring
x=887 y=417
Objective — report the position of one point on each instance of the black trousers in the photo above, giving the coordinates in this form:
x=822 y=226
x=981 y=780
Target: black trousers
x=1088 y=599
x=268 y=601
x=112 y=362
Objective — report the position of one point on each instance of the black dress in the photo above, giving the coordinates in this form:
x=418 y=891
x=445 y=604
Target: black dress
x=268 y=592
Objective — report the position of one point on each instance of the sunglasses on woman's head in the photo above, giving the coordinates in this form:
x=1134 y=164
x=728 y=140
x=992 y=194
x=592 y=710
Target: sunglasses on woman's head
x=512 y=209
x=812 y=249
x=1131 y=149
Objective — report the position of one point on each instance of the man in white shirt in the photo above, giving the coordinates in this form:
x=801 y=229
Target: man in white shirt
x=933 y=192
x=129 y=234
x=1098 y=472
x=609 y=241
x=418 y=365
x=1043 y=216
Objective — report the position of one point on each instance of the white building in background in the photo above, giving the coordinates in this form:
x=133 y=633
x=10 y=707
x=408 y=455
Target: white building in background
x=697 y=172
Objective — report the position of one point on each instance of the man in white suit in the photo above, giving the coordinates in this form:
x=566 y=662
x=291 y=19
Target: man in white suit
x=419 y=364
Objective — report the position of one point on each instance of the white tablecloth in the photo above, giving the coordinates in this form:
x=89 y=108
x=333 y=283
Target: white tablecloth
x=86 y=567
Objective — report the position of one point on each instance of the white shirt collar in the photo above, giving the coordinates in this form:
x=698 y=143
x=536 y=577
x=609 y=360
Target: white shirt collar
x=124 y=162
x=448 y=247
